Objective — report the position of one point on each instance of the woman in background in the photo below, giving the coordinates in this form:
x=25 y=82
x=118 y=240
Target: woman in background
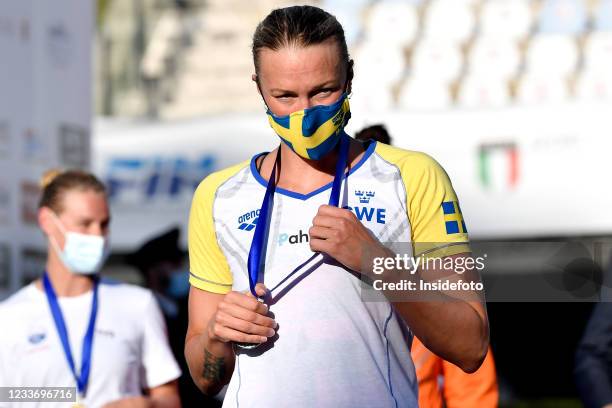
x=70 y=328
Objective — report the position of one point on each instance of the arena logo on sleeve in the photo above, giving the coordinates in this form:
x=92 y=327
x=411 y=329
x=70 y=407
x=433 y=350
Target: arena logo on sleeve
x=453 y=219
x=248 y=220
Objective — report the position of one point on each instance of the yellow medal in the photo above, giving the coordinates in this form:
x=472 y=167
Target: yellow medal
x=78 y=403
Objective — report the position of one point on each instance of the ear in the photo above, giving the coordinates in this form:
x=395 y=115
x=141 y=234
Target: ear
x=349 y=77
x=44 y=220
x=255 y=79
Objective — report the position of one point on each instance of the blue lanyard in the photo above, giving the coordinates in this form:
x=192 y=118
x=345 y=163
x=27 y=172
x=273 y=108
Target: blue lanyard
x=60 y=324
x=260 y=236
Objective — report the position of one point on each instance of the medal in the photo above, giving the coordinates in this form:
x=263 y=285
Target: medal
x=78 y=403
x=256 y=253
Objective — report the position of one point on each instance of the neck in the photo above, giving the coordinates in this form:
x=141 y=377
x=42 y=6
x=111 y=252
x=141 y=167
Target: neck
x=303 y=175
x=65 y=283
x=294 y=163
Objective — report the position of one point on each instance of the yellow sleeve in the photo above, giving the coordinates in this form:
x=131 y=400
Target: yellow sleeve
x=436 y=221
x=208 y=266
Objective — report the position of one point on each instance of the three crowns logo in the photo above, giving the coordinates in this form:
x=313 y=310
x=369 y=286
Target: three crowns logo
x=364 y=196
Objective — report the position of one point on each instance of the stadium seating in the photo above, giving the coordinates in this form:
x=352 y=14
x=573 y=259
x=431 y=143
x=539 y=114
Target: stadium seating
x=449 y=20
x=594 y=86
x=424 y=93
x=380 y=65
x=392 y=22
x=598 y=52
x=539 y=88
x=495 y=57
x=419 y=54
x=512 y=19
x=480 y=91
x=438 y=59
x=563 y=17
x=603 y=16
x=370 y=97
x=553 y=55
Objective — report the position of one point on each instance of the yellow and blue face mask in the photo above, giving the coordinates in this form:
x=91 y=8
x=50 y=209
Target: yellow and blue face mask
x=313 y=132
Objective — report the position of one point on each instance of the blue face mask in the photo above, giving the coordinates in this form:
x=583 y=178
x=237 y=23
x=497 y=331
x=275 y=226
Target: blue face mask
x=178 y=284
x=313 y=132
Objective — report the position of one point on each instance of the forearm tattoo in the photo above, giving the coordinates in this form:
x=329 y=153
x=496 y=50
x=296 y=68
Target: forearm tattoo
x=214 y=367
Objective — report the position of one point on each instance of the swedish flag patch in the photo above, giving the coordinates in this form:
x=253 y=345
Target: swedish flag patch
x=453 y=219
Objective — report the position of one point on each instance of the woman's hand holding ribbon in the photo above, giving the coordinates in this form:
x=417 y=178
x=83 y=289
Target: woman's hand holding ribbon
x=338 y=233
x=241 y=318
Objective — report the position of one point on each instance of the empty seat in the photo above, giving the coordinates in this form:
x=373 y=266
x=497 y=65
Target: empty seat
x=478 y=91
x=350 y=18
x=598 y=52
x=594 y=86
x=368 y=96
x=506 y=18
x=542 y=89
x=424 y=93
x=453 y=21
x=495 y=57
x=392 y=22
x=555 y=55
x=603 y=16
x=563 y=17
x=437 y=58
x=378 y=63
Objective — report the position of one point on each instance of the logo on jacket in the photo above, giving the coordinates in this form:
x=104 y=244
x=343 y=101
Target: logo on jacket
x=36 y=337
x=364 y=196
x=248 y=221
x=364 y=212
x=453 y=219
x=299 y=238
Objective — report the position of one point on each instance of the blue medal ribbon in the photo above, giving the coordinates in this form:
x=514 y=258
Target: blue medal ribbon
x=83 y=377
x=256 y=252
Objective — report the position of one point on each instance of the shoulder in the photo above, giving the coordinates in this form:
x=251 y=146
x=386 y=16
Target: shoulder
x=409 y=162
x=19 y=306
x=125 y=294
x=21 y=298
x=212 y=182
x=402 y=157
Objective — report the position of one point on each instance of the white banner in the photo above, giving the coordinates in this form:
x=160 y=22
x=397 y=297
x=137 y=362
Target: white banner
x=521 y=172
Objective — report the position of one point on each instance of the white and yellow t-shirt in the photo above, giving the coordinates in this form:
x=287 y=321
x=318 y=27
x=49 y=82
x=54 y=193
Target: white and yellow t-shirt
x=332 y=349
